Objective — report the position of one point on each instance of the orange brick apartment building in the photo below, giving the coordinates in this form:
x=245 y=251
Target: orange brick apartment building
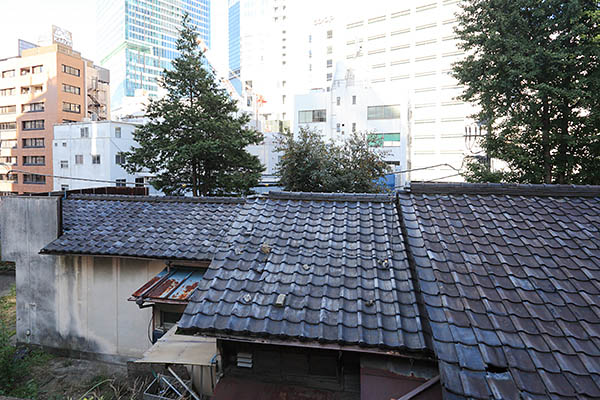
x=42 y=87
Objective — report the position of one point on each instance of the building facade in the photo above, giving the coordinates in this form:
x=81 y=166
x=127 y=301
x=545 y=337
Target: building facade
x=353 y=106
x=90 y=154
x=233 y=32
x=407 y=47
x=136 y=40
x=402 y=47
x=42 y=87
x=271 y=53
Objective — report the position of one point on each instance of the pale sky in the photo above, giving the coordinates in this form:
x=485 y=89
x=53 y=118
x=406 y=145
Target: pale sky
x=28 y=20
x=31 y=19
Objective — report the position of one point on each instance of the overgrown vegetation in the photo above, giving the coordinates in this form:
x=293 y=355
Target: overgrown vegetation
x=34 y=374
x=14 y=364
x=309 y=164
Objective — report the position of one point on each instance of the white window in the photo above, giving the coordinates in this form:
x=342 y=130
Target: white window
x=121 y=183
x=95 y=158
x=64 y=187
x=308 y=116
x=85 y=132
x=353 y=99
x=383 y=112
x=118 y=132
x=78 y=158
x=338 y=101
x=64 y=163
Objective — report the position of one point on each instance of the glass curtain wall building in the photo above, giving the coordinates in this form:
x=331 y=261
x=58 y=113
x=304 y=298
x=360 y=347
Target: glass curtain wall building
x=136 y=40
x=234 y=45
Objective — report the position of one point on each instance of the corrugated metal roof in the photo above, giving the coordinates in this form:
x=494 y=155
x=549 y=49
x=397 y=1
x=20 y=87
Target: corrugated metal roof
x=171 y=285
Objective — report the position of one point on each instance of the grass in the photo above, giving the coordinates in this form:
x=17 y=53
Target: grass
x=8 y=310
x=15 y=365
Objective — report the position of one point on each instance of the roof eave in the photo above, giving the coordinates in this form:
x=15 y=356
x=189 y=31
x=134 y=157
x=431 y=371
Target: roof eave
x=421 y=354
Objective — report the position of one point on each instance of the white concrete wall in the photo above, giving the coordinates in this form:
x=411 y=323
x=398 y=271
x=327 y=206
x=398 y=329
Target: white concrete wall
x=72 y=303
x=267 y=155
x=93 y=312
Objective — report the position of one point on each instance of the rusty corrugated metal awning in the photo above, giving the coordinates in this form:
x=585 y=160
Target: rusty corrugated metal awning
x=171 y=285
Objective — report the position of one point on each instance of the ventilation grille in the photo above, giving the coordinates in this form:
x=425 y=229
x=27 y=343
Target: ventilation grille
x=244 y=360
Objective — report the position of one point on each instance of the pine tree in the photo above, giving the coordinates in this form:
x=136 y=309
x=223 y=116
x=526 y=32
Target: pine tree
x=195 y=139
x=533 y=67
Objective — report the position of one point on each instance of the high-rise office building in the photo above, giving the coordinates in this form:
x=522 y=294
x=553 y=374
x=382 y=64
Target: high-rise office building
x=234 y=44
x=383 y=46
x=271 y=46
x=41 y=87
x=136 y=40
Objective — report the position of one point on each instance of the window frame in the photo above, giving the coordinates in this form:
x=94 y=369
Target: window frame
x=34 y=158
x=67 y=69
x=42 y=180
x=71 y=107
x=35 y=146
x=35 y=122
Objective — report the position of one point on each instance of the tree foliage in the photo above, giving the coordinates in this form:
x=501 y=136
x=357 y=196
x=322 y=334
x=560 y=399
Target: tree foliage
x=195 y=139
x=533 y=67
x=309 y=164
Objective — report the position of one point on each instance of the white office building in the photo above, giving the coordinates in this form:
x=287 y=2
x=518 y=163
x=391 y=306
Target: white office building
x=351 y=105
x=408 y=47
x=89 y=154
x=402 y=48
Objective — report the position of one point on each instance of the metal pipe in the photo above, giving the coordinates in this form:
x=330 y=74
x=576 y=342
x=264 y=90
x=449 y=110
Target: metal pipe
x=165 y=380
x=194 y=395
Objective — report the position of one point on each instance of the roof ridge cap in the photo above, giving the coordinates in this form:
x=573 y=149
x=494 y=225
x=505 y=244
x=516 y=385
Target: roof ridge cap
x=510 y=189
x=158 y=199
x=310 y=196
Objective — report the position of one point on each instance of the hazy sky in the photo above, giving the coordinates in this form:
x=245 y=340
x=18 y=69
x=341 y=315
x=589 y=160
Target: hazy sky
x=31 y=19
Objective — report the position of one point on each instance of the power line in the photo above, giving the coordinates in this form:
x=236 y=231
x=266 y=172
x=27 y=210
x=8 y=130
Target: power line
x=429 y=167
x=73 y=178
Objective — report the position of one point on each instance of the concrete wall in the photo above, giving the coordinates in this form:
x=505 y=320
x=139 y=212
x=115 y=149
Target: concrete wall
x=74 y=303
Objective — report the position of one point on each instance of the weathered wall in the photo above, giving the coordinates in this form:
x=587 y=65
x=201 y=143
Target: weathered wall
x=94 y=314
x=28 y=224
x=75 y=303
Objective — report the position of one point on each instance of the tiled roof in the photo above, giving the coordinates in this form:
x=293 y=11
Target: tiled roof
x=312 y=267
x=511 y=286
x=140 y=226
